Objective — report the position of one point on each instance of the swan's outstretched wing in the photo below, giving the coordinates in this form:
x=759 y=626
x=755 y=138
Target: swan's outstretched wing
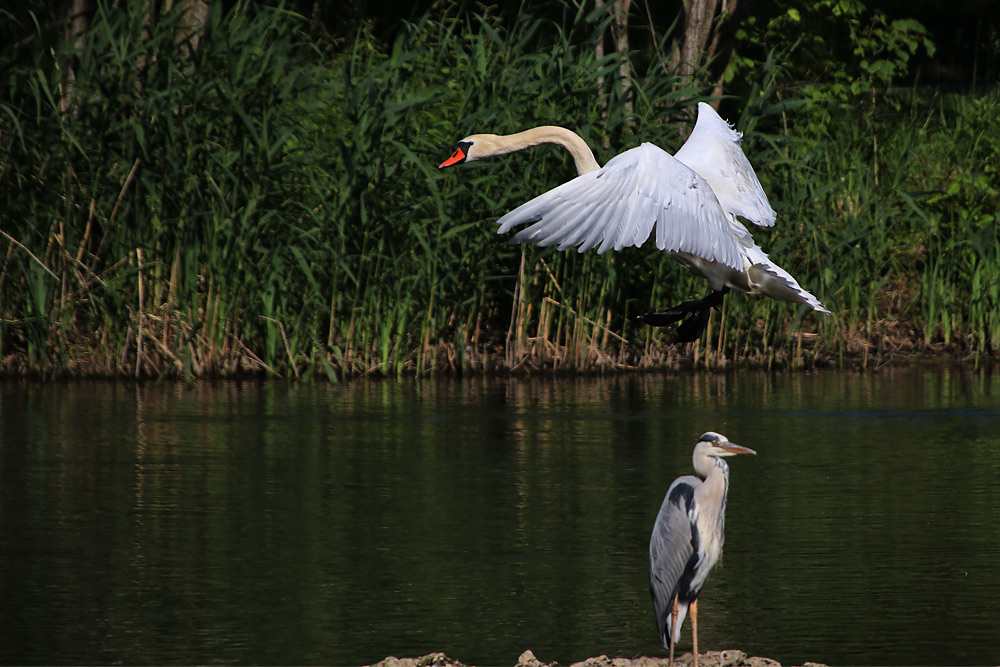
x=619 y=204
x=713 y=151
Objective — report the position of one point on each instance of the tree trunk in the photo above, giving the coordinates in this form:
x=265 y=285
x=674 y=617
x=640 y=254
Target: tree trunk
x=619 y=33
x=701 y=40
x=698 y=19
x=620 y=42
x=191 y=26
x=77 y=24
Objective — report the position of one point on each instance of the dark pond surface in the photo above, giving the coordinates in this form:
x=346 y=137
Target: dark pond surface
x=261 y=523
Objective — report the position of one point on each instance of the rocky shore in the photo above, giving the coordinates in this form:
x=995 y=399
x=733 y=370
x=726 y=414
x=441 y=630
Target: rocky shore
x=728 y=658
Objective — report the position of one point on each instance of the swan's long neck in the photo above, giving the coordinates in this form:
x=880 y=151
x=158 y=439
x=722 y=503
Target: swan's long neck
x=488 y=145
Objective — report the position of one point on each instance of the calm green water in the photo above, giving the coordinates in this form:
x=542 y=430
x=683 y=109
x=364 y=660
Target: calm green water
x=258 y=523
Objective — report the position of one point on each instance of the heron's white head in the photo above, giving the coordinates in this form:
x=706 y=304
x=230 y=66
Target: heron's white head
x=716 y=444
x=473 y=147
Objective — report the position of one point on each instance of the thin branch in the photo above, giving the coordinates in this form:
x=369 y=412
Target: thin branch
x=586 y=319
x=22 y=246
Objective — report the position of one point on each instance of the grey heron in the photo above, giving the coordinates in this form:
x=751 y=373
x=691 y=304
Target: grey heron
x=687 y=538
x=691 y=198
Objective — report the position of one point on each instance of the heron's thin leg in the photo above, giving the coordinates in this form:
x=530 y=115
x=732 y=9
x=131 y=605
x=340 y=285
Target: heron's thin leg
x=694 y=630
x=673 y=630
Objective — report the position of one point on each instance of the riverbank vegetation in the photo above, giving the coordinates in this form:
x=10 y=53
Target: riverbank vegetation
x=256 y=198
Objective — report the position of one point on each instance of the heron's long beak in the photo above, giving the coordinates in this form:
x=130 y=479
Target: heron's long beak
x=731 y=449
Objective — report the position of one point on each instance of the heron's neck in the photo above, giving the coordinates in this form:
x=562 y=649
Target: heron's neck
x=546 y=134
x=707 y=466
x=715 y=471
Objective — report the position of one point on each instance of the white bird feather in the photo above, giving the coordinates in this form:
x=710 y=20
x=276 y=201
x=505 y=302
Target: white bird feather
x=687 y=202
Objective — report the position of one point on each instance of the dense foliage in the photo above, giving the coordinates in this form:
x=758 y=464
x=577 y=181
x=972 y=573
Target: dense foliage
x=258 y=203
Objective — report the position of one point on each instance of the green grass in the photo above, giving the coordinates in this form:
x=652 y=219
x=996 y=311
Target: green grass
x=261 y=206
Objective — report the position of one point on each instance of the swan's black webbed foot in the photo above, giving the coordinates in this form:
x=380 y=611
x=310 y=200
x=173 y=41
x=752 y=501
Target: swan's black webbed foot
x=693 y=313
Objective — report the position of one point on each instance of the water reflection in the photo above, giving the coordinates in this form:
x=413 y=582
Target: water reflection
x=246 y=522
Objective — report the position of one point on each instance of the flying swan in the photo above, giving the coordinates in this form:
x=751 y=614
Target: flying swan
x=692 y=199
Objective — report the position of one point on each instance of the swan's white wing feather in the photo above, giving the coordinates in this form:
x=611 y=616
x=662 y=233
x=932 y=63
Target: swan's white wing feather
x=713 y=151
x=619 y=204
x=770 y=279
x=563 y=217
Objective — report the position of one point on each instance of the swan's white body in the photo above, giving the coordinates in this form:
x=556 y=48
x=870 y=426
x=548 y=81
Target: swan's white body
x=689 y=201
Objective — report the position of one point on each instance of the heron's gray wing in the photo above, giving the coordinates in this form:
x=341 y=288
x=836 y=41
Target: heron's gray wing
x=670 y=547
x=620 y=204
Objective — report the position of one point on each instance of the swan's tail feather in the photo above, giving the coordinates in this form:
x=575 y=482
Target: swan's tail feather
x=774 y=281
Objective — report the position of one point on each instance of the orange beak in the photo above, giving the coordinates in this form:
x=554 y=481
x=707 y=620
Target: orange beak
x=456 y=157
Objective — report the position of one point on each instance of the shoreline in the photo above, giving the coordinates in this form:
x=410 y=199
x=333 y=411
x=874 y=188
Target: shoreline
x=801 y=352
x=726 y=658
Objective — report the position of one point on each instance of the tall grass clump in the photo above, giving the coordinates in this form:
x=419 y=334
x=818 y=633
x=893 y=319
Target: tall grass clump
x=156 y=215
x=894 y=212
x=249 y=198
